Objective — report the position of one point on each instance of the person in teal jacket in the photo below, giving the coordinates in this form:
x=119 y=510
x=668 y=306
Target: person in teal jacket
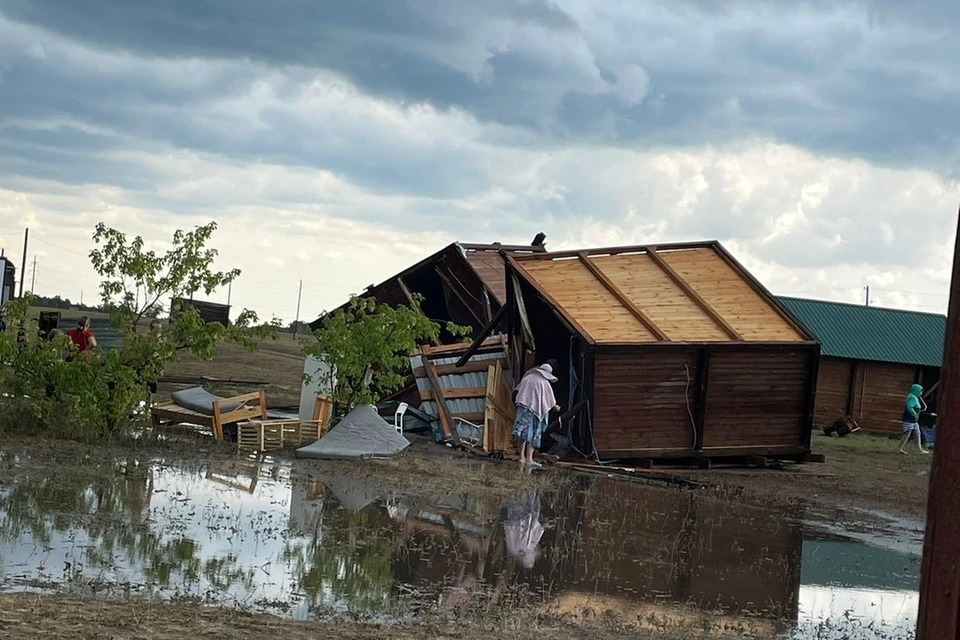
x=912 y=407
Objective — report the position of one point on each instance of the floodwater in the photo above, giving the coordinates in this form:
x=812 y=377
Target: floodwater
x=299 y=540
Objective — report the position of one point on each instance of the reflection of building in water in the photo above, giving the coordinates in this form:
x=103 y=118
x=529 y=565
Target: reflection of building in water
x=648 y=544
x=306 y=505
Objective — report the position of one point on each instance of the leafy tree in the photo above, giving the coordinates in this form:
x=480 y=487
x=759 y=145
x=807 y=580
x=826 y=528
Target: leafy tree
x=368 y=346
x=93 y=397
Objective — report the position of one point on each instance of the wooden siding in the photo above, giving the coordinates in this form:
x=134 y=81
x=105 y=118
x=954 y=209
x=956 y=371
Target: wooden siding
x=757 y=398
x=652 y=290
x=640 y=400
x=731 y=295
x=490 y=267
x=695 y=295
x=574 y=288
x=833 y=389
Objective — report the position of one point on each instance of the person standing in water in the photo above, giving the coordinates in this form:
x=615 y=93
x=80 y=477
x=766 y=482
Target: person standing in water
x=534 y=400
x=912 y=407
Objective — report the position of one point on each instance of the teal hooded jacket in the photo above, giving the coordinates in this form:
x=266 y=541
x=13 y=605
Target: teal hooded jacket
x=911 y=408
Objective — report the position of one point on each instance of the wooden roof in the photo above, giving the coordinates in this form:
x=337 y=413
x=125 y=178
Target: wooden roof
x=674 y=293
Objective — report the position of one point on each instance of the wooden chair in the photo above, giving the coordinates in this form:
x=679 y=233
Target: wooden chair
x=270 y=435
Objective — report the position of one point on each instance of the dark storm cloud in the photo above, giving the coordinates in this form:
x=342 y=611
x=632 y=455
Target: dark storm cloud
x=868 y=78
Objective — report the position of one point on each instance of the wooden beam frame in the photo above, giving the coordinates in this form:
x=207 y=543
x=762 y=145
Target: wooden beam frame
x=615 y=291
x=413 y=302
x=478 y=342
x=457 y=289
x=613 y=251
x=693 y=295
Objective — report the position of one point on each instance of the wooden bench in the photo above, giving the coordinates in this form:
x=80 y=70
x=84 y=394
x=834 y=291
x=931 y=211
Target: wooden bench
x=248 y=406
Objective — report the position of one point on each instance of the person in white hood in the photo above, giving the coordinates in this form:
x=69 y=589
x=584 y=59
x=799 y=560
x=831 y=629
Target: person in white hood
x=535 y=400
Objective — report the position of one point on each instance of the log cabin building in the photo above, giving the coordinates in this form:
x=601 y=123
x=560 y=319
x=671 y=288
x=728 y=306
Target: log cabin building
x=870 y=356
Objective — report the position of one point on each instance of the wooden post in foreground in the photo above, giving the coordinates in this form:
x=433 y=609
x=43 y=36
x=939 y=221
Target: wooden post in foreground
x=939 y=615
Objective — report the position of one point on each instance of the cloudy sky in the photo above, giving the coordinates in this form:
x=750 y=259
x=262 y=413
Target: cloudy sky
x=338 y=142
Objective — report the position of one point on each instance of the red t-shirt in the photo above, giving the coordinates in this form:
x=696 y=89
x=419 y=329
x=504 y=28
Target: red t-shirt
x=81 y=338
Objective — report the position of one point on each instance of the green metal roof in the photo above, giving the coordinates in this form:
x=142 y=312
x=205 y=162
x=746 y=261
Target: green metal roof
x=872 y=333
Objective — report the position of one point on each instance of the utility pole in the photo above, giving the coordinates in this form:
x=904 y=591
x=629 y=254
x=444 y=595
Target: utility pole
x=23 y=263
x=296 y=323
x=33 y=276
x=867 y=289
x=229 y=292
x=937 y=618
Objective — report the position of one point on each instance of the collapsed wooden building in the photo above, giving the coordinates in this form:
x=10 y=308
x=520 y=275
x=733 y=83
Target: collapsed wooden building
x=462 y=283
x=664 y=352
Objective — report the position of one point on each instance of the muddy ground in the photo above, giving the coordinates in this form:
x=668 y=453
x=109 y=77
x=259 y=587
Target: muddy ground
x=24 y=616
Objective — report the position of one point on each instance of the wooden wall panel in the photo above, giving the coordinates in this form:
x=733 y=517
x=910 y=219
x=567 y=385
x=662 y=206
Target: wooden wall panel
x=732 y=296
x=587 y=301
x=833 y=390
x=653 y=291
x=757 y=398
x=883 y=388
x=490 y=267
x=640 y=399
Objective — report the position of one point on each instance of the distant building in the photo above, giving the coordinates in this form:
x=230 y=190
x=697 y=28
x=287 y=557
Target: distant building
x=869 y=358
x=8 y=289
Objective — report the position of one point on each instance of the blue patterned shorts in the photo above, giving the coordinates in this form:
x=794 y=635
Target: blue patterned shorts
x=528 y=427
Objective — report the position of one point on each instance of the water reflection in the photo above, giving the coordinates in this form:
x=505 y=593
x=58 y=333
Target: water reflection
x=253 y=533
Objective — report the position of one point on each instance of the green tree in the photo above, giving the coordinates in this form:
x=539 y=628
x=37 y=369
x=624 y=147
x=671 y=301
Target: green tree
x=368 y=347
x=93 y=397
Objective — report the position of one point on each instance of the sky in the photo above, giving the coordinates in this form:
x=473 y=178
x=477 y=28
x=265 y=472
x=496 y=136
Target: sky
x=339 y=142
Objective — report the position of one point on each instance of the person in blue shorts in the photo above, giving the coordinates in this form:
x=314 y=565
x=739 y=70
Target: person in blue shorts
x=912 y=407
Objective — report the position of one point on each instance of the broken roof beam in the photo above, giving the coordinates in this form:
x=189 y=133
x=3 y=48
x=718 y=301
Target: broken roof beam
x=413 y=303
x=615 y=291
x=487 y=330
x=691 y=293
x=496 y=246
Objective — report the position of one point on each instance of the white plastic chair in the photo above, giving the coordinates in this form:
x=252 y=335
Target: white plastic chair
x=398 y=416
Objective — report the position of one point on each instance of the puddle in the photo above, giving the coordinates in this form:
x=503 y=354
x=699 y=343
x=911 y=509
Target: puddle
x=303 y=541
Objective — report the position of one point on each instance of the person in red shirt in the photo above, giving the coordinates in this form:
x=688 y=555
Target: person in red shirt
x=82 y=338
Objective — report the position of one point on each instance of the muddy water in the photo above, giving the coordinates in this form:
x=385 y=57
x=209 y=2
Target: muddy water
x=306 y=541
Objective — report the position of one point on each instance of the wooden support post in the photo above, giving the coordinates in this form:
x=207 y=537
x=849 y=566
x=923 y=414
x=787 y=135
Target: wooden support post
x=693 y=295
x=615 y=291
x=456 y=289
x=446 y=418
x=939 y=614
x=413 y=303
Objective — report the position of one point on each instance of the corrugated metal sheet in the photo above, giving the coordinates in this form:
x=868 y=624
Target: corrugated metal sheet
x=872 y=333
x=108 y=338
x=458 y=406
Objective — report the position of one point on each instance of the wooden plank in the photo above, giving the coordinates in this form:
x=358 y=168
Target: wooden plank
x=610 y=251
x=475 y=366
x=413 y=302
x=455 y=394
x=484 y=334
x=638 y=313
x=692 y=293
x=771 y=299
x=446 y=418
x=557 y=308
x=458 y=290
